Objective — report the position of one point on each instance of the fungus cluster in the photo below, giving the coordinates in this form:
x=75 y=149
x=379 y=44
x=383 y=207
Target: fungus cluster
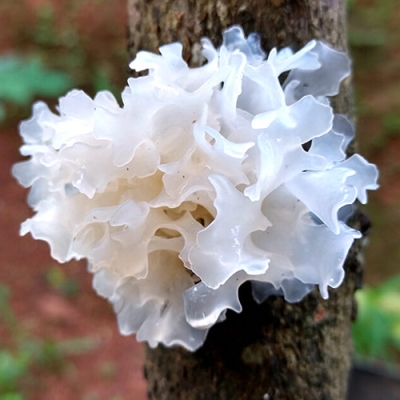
x=204 y=179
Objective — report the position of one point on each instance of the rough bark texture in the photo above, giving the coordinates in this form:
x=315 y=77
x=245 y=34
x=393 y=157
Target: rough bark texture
x=275 y=350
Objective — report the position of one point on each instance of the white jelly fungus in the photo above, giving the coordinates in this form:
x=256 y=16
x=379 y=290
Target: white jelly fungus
x=206 y=178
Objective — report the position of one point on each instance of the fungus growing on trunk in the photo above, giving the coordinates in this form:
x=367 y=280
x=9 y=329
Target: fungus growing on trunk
x=206 y=178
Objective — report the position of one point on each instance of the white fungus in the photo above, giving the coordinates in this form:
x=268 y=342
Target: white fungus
x=199 y=183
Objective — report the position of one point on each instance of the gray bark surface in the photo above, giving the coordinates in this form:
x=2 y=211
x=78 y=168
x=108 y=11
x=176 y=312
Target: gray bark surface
x=276 y=350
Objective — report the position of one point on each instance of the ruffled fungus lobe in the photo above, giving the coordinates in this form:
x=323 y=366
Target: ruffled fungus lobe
x=200 y=182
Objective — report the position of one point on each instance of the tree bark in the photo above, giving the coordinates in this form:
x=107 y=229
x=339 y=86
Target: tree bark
x=275 y=350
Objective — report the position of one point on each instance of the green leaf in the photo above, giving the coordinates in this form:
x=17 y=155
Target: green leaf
x=11 y=396
x=2 y=115
x=23 y=79
x=58 y=280
x=376 y=333
x=12 y=368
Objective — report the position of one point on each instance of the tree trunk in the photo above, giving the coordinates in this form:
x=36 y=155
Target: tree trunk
x=275 y=350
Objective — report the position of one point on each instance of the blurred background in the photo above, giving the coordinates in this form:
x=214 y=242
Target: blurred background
x=58 y=340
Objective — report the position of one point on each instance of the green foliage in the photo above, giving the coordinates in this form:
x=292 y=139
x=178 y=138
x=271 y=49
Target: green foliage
x=391 y=124
x=376 y=332
x=63 y=57
x=368 y=23
x=368 y=38
x=23 y=79
x=26 y=353
x=12 y=369
x=102 y=81
x=45 y=29
x=58 y=281
x=390 y=130
x=11 y=396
